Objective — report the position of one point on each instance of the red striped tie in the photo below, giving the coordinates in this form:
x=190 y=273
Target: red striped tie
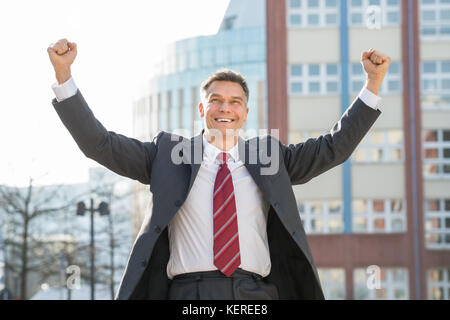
x=226 y=239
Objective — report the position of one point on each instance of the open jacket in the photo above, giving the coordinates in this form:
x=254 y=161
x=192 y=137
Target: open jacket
x=275 y=167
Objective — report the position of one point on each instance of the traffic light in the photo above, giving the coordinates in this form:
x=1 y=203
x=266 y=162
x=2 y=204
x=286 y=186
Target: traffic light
x=81 y=208
x=103 y=208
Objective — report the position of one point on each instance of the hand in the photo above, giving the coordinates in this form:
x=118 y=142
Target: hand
x=375 y=64
x=62 y=54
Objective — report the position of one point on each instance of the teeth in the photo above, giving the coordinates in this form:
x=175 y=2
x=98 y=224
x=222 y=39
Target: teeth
x=224 y=120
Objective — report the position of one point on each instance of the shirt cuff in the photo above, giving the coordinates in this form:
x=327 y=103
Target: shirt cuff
x=64 y=90
x=369 y=98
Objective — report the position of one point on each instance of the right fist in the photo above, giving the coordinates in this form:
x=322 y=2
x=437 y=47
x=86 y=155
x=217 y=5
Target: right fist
x=62 y=54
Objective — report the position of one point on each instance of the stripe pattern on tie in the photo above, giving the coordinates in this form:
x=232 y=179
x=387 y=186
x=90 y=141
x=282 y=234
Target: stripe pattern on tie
x=226 y=238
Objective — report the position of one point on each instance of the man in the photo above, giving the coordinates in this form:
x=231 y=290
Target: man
x=224 y=222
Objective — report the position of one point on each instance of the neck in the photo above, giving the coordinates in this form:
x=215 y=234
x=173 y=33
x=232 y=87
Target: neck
x=224 y=144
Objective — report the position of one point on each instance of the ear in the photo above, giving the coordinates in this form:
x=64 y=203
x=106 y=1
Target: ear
x=201 y=110
x=246 y=113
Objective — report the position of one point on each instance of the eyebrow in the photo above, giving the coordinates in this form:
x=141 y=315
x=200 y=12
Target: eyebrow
x=218 y=95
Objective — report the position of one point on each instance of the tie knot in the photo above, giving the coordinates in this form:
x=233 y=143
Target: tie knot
x=223 y=157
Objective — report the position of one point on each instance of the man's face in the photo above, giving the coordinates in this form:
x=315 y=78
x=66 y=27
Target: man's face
x=224 y=106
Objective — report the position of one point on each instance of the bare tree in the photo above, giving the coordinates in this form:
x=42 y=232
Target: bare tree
x=25 y=249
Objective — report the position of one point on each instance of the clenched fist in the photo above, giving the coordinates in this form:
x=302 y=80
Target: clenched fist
x=376 y=65
x=62 y=54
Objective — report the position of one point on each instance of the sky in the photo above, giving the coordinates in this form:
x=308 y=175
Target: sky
x=118 y=43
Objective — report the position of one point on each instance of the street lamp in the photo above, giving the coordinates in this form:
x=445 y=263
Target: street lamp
x=103 y=209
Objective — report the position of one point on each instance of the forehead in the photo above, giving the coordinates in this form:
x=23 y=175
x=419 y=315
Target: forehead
x=226 y=89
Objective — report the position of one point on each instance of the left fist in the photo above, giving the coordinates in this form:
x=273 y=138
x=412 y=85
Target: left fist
x=375 y=64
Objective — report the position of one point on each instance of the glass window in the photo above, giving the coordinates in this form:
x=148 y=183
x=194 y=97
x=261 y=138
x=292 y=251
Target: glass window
x=332 y=87
x=446 y=135
x=394 y=85
x=314 y=87
x=313 y=3
x=436 y=162
x=429 y=67
x=428 y=15
x=314 y=69
x=332 y=282
x=321 y=216
x=437 y=224
x=438 y=281
x=357 y=68
x=380 y=146
x=393 y=2
x=296 y=87
x=295 y=19
x=446 y=66
x=313 y=82
x=394 y=68
x=313 y=19
x=357 y=86
x=393 y=17
x=295 y=3
x=386 y=283
x=435 y=19
x=296 y=70
x=384 y=12
x=430 y=84
x=445 y=15
x=445 y=84
x=331 y=19
x=332 y=69
x=357 y=18
x=379 y=215
x=313 y=13
x=430 y=135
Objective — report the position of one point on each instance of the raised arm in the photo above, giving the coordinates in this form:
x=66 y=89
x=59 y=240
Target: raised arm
x=308 y=159
x=125 y=156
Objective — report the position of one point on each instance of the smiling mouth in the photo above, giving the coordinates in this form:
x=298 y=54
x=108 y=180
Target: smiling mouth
x=223 y=120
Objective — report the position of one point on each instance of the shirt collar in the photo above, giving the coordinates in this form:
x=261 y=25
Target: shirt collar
x=211 y=152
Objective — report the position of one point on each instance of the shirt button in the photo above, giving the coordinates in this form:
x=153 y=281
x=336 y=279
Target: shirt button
x=157 y=229
x=144 y=263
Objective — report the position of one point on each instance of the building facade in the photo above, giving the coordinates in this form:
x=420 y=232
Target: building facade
x=379 y=224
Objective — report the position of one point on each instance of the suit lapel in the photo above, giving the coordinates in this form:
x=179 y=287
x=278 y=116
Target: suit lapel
x=248 y=153
x=194 y=157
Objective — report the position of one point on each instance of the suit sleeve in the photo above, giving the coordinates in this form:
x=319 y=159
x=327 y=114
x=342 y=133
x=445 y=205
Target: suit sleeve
x=308 y=159
x=125 y=156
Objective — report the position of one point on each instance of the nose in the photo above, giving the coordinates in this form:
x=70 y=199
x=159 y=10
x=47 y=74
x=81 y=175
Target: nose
x=224 y=107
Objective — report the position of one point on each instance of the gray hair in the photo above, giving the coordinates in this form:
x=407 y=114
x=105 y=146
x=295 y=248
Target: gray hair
x=225 y=75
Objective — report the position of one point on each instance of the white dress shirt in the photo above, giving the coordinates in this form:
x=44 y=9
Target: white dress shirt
x=191 y=230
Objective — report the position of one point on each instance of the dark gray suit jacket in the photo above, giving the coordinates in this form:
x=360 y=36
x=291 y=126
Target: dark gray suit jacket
x=293 y=270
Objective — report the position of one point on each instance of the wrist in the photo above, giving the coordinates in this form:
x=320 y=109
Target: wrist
x=373 y=85
x=62 y=75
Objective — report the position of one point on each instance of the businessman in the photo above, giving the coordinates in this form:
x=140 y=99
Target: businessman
x=224 y=222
